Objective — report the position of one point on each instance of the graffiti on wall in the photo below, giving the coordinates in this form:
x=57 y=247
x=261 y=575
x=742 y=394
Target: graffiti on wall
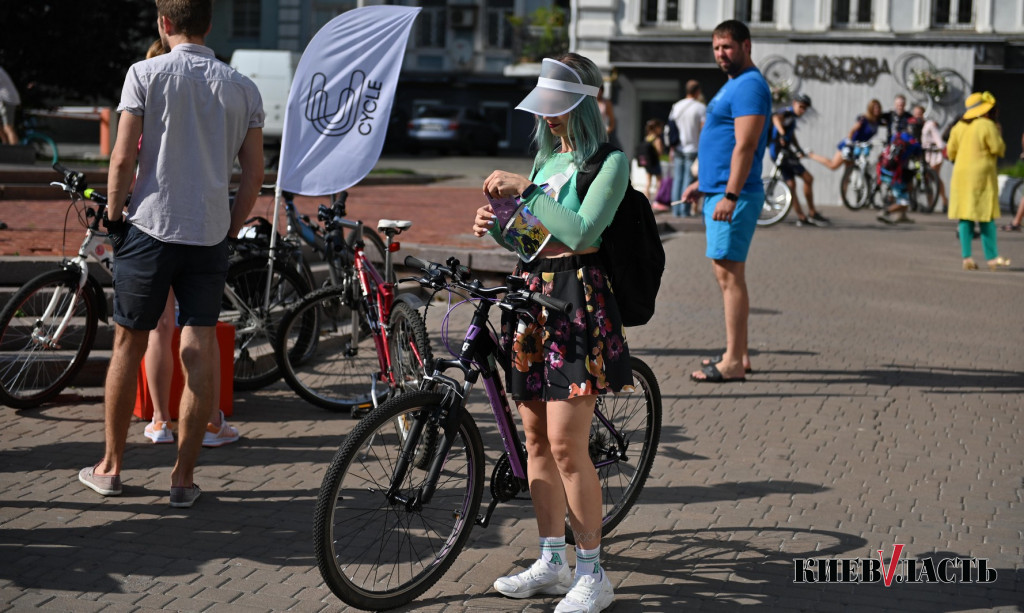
x=940 y=90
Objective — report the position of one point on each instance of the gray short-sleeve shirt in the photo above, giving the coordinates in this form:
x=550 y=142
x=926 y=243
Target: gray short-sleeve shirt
x=196 y=112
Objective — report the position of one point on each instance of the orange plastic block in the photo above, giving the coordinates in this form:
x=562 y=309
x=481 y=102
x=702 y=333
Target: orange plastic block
x=226 y=342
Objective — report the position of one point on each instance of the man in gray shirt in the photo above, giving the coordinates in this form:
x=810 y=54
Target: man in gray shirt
x=688 y=115
x=194 y=116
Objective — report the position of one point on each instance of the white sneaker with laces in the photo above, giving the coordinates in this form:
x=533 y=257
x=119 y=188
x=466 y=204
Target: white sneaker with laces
x=158 y=432
x=588 y=595
x=541 y=578
x=215 y=437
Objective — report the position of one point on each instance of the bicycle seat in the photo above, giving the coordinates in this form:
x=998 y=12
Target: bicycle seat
x=395 y=225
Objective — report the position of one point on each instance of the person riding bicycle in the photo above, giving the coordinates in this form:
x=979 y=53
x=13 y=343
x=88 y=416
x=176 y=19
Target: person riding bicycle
x=892 y=170
x=862 y=131
x=784 y=137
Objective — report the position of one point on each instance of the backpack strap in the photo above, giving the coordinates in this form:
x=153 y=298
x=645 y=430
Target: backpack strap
x=586 y=175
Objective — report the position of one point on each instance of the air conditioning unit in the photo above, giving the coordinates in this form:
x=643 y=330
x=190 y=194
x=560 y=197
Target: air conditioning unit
x=462 y=16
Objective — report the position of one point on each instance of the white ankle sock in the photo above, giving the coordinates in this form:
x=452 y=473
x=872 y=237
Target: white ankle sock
x=552 y=550
x=588 y=562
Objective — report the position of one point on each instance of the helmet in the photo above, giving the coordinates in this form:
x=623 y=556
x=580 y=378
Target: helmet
x=803 y=99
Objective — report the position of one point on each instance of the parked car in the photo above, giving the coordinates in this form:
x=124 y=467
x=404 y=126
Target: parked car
x=452 y=128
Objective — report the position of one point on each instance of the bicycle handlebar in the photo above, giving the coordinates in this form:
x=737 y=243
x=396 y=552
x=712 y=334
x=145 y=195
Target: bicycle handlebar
x=441 y=276
x=74 y=181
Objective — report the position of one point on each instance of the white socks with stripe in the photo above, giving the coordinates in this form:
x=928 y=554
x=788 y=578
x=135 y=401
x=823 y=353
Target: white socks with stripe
x=552 y=550
x=588 y=562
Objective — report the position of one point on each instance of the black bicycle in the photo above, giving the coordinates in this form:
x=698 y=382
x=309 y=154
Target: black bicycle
x=403 y=491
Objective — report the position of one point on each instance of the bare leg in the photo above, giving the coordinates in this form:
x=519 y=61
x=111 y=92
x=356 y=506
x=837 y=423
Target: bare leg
x=568 y=427
x=732 y=280
x=199 y=358
x=160 y=362
x=809 y=193
x=545 y=482
x=796 y=201
x=119 y=394
x=942 y=187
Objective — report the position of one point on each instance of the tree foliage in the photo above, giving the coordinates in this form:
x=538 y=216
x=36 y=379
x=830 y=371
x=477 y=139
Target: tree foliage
x=61 y=52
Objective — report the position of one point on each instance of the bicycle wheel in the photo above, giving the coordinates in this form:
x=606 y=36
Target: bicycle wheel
x=338 y=374
x=244 y=306
x=44 y=146
x=375 y=554
x=926 y=190
x=636 y=417
x=854 y=188
x=777 y=202
x=409 y=347
x=34 y=366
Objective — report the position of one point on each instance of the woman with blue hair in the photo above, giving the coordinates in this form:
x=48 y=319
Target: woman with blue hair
x=560 y=363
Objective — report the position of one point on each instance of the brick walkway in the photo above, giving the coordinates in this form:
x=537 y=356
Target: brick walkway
x=885 y=408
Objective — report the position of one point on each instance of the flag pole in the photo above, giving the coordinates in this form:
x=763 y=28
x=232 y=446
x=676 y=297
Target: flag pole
x=273 y=243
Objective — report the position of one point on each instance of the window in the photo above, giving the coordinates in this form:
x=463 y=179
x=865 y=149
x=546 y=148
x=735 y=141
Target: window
x=431 y=25
x=660 y=11
x=245 y=19
x=952 y=13
x=755 y=11
x=851 y=13
x=499 y=30
x=322 y=11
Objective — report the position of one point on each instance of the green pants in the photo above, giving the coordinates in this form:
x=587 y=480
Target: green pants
x=988 y=238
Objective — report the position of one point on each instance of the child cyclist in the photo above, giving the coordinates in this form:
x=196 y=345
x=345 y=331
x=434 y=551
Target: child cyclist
x=892 y=170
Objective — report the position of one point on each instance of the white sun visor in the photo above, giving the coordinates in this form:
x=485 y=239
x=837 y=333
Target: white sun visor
x=559 y=90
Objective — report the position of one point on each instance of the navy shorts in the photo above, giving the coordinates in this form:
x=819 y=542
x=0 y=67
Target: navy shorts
x=730 y=240
x=146 y=267
x=791 y=169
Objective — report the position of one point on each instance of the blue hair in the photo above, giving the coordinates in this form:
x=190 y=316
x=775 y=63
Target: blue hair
x=586 y=130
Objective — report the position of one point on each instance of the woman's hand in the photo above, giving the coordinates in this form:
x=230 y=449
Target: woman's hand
x=484 y=220
x=501 y=184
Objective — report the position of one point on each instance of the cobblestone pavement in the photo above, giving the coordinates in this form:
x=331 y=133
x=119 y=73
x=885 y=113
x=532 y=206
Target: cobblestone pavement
x=885 y=409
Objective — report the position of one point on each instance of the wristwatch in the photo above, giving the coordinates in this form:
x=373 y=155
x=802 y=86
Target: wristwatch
x=731 y=196
x=528 y=191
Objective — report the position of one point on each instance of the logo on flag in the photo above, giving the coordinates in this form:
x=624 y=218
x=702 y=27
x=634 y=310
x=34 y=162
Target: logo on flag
x=341 y=98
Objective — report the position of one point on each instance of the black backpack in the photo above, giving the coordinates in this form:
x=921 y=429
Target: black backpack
x=631 y=249
x=670 y=134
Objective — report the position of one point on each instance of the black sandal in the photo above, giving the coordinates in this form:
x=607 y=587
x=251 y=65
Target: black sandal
x=718 y=358
x=713 y=375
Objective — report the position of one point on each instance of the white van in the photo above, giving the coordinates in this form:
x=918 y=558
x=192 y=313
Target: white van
x=272 y=70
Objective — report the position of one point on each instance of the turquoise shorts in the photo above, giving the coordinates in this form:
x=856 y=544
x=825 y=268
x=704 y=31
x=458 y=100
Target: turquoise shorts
x=730 y=240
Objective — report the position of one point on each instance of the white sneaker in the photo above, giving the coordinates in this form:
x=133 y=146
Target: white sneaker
x=215 y=437
x=158 y=432
x=541 y=578
x=588 y=595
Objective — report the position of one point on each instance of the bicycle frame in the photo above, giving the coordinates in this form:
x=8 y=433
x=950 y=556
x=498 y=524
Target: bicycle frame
x=478 y=358
x=92 y=246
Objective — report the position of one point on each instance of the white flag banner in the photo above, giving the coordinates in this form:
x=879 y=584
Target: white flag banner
x=340 y=101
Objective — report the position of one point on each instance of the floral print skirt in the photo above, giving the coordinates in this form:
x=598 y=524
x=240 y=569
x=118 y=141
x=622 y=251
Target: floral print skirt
x=560 y=356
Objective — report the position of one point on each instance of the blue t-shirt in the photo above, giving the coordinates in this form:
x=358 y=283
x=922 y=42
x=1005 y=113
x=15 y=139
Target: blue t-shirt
x=747 y=94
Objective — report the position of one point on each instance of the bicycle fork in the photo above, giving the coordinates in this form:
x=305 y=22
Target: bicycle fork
x=445 y=418
x=52 y=340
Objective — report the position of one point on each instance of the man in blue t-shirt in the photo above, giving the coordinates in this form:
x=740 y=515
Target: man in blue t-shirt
x=731 y=147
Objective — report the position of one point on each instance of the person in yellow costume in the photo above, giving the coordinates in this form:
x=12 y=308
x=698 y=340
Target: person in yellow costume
x=975 y=143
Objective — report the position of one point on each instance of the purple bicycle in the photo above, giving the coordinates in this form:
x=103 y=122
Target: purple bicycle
x=404 y=489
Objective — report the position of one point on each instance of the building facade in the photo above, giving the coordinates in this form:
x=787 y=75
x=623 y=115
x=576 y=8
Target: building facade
x=483 y=53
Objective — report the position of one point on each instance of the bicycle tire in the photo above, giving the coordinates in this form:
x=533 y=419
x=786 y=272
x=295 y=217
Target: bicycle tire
x=929 y=189
x=44 y=146
x=636 y=416
x=255 y=364
x=854 y=188
x=31 y=374
x=335 y=376
x=778 y=199
x=409 y=347
x=377 y=555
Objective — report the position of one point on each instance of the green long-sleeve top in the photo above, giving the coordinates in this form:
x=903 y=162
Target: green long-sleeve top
x=575 y=224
